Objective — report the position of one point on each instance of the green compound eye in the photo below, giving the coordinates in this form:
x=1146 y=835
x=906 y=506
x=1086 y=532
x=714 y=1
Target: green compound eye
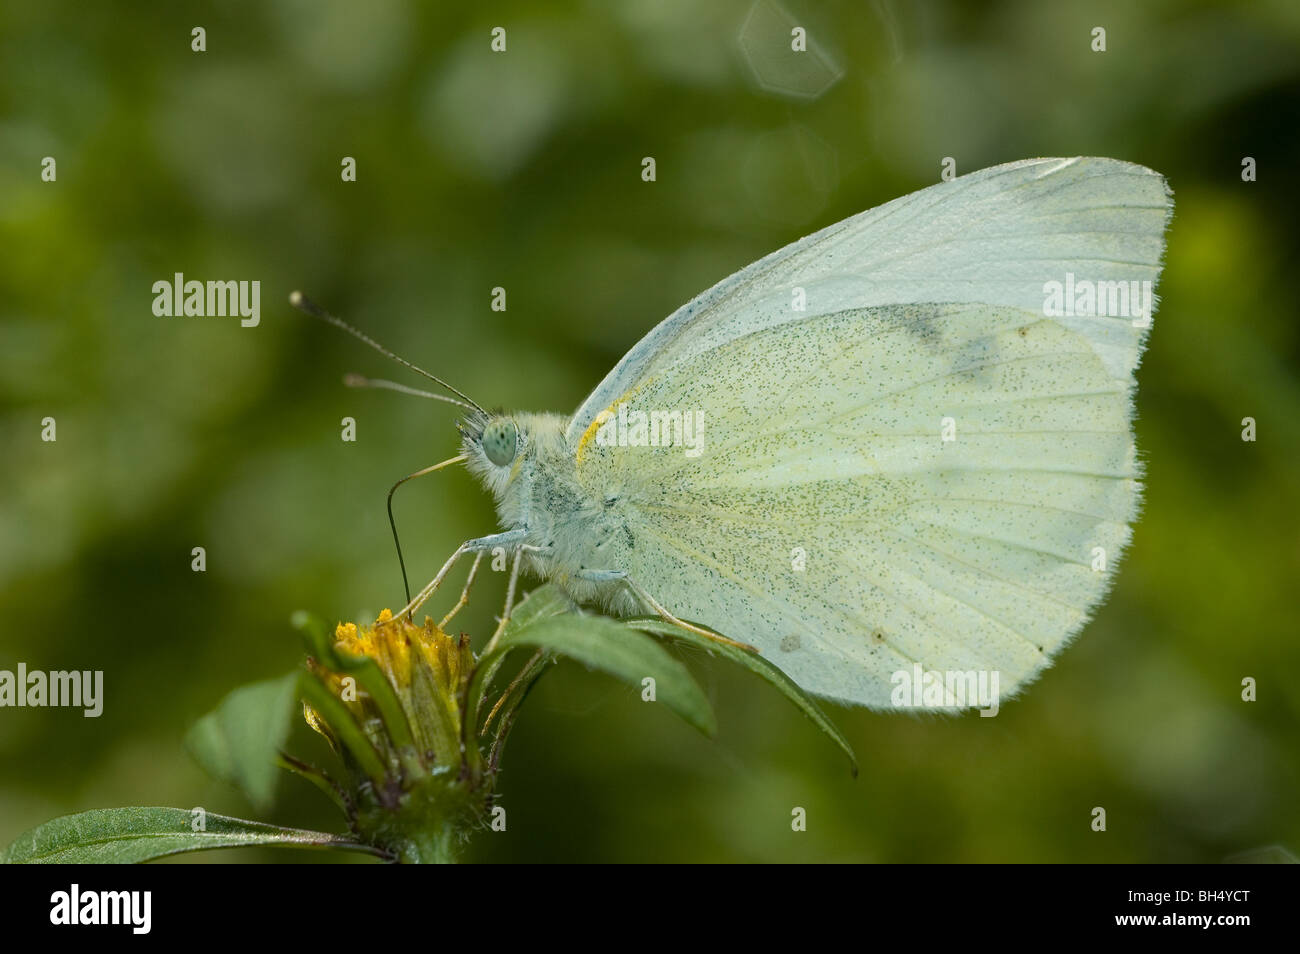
x=499 y=441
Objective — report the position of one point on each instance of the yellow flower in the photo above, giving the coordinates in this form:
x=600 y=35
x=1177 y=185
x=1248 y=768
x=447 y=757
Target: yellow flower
x=427 y=670
x=391 y=701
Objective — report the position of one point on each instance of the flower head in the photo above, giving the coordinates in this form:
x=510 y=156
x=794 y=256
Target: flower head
x=392 y=703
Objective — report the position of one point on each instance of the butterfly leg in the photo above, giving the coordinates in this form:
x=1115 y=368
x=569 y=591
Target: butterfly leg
x=477 y=545
x=464 y=594
x=510 y=593
x=607 y=576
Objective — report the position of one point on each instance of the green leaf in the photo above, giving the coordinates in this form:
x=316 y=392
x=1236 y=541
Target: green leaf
x=240 y=740
x=131 y=835
x=542 y=603
x=760 y=667
x=608 y=646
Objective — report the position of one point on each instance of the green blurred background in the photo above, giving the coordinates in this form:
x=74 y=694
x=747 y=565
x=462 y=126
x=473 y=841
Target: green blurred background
x=522 y=170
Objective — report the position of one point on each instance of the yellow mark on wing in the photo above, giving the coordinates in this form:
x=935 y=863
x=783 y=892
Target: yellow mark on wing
x=603 y=416
x=589 y=433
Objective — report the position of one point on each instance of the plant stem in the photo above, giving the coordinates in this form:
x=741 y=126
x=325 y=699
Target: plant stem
x=438 y=845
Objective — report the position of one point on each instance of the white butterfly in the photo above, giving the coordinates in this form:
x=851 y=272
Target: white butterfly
x=905 y=439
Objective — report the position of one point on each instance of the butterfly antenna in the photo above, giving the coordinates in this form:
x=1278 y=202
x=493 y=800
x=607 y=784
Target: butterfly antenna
x=359 y=381
x=308 y=307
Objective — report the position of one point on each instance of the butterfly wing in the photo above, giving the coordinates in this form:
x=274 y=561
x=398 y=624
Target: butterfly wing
x=994 y=236
x=827 y=519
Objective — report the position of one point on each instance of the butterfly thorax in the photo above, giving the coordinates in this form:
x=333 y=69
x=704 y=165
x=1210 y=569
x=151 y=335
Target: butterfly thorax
x=578 y=532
